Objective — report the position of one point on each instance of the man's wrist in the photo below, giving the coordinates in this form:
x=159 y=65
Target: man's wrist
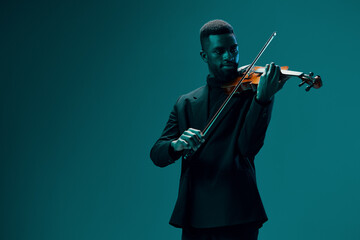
x=172 y=145
x=172 y=152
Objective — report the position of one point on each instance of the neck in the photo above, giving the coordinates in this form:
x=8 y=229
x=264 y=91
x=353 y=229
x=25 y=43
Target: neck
x=220 y=83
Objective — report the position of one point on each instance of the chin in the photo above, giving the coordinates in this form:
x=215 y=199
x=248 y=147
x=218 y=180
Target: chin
x=226 y=79
x=226 y=76
x=230 y=76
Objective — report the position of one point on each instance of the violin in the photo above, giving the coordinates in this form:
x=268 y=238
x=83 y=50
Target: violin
x=249 y=77
x=252 y=78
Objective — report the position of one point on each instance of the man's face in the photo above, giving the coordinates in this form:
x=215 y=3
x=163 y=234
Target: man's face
x=221 y=54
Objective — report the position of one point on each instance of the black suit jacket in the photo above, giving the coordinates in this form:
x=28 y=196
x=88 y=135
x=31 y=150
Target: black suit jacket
x=217 y=185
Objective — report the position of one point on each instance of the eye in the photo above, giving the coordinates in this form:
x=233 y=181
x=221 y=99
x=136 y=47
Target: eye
x=233 y=49
x=219 y=51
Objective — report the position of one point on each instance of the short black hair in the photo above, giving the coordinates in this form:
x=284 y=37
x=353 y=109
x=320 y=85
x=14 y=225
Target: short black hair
x=214 y=27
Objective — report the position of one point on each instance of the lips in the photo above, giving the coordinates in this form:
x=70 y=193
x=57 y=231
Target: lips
x=232 y=65
x=229 y=66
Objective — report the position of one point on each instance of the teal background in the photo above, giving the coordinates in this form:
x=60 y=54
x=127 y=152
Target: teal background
x=87 y=87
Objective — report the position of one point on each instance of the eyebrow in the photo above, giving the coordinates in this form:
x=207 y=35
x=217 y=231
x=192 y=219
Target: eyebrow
x=217 y=48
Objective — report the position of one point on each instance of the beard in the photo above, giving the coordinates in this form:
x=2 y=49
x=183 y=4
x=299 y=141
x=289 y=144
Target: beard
x=226 y=76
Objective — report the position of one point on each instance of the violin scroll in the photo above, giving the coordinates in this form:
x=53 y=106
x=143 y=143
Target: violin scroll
x=313 y=82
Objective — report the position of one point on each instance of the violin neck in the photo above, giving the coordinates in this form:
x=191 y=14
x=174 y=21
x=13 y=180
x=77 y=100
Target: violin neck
x=283 y=72
x=291 y=73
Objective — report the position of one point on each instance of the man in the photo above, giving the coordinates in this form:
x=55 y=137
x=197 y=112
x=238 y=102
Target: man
x=218 y=197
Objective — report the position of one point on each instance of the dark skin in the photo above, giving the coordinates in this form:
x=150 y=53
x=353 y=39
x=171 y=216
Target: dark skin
x=221 y=54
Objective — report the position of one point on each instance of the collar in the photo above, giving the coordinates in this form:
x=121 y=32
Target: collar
x=214 y=82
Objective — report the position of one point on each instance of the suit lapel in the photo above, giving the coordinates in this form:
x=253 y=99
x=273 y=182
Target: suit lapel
x=200 y=111
x=199 y=108
x=225 y=111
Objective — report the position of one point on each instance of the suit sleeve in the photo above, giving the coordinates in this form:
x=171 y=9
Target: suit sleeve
x=162 y=154
x=252 y=134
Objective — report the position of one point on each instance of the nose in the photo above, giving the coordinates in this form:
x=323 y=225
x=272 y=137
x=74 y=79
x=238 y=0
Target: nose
x=228 y=56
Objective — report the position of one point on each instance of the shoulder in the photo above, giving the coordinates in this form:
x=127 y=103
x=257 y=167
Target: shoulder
x=195 y=94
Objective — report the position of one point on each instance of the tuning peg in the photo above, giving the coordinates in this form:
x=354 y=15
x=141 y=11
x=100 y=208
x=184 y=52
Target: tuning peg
x=302 y=83
x=309 y=87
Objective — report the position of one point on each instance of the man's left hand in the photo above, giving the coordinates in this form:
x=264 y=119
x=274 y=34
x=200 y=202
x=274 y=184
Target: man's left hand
x=270 y=83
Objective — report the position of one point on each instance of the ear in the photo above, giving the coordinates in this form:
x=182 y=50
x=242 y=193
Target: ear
x=204 y=56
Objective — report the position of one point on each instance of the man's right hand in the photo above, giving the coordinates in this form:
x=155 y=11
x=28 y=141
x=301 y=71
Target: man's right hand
x=190 y=139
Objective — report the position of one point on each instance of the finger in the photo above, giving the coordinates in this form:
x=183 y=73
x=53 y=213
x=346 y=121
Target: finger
x=191 y=140
x=271 y=70
x=198 y=133
x=276 y=76
x=194 y=140
x=193 y=136
x=184 y=144
x=266 y=69
x=190 y=143
x=188 y=138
